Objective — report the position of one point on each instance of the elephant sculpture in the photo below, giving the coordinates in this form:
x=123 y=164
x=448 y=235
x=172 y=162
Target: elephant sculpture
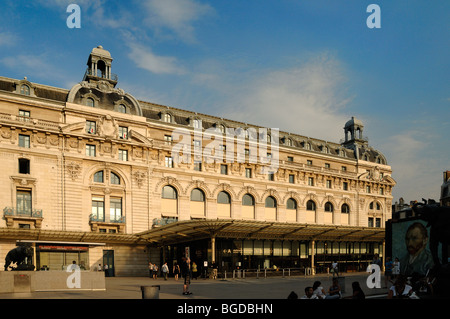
x=22 y=256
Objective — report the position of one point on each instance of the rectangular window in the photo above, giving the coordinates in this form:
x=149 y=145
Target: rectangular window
x=115 y=210
x=24 y=115
x=123 y=132
x=368 y=189
x=247 y=151
x=91 y=127
x=271 y=176
x=98 y=208
x=197 y=145
x=123 y=155
x=345 y=186
x=24 y=166
x=90 y=150
x=24 y=141
x=169 y=162
x=248 y=172
x=291 y=179
x=381 y=191
x=311 y=181
x=370 y=222
x=328 y=183
x=344 y=168
x=327 y=165
x=290 y=159
x=309 y=162
x=223 y=169
x=377 y=222
x=23 y=199
x=198 y=166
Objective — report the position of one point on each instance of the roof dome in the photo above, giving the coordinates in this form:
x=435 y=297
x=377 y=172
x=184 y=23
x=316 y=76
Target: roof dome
x=353 y=121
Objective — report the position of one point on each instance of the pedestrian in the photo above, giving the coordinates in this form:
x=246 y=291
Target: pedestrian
x=309 y=294
x=150 y=270
x=396 y=268
x=388 y=266
x=335 y=269
x=99 y=268
x=335 y=290
x=105 y=268
x=194 y=270
x=176 y=271
x=318 y=290
x=186 y=274
x=358 y=293
x=165 y=270
x=155 y=271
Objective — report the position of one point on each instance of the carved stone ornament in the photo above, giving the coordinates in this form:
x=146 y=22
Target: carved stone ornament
x=74 y=169
x=108 y=127
x=139 y=177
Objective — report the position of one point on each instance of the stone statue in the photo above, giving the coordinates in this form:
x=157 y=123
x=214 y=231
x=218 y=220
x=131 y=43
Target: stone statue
x=22 y=256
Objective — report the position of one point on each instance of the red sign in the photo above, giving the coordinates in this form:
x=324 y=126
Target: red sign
x=62 y=247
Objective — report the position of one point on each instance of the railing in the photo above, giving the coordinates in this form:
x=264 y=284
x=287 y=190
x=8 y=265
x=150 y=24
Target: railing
x=100 y=74
x=164 y=221
x=107 y=219
x=11 y=211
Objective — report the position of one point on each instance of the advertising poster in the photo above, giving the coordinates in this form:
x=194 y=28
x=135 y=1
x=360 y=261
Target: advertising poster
x=411 y=247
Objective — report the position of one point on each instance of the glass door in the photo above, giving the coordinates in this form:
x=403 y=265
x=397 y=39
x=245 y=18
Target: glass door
x=108 y=263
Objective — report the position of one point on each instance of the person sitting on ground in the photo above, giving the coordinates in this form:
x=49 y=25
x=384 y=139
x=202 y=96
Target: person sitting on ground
x=335 y=290
x=318 y=290
x=309 y=294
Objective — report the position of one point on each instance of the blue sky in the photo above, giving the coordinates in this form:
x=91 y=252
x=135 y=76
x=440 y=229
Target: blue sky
x=302 y=66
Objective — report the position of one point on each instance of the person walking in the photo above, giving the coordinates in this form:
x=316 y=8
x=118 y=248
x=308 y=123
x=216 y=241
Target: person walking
x=194 y=270
x=176 y=271
x=165 y=270
x=186 y=274
x=335 y=269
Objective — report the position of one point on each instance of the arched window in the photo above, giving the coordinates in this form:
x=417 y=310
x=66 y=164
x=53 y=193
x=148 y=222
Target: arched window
x=122 y=108
x=197 y=195
x=223 y=198
x=98 y=177
x=271 y=202
x=291 y=204
x=378 y=206
x=223 y=205
x=115 y=179
x=310 y=205
x=90 y=102
x=168 y=192
x=329 y=207
x=167 y=118
x=248 y=200
x=289 y=142
x=371 y=205
x=24 y=89
x=345 y=209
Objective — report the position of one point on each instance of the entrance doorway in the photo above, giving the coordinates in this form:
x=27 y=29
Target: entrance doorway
x=108 y=260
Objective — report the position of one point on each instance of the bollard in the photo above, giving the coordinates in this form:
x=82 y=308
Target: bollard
x=150 y=292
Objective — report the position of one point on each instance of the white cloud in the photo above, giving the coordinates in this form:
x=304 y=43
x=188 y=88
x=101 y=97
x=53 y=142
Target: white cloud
x=147 y=60
x=309 y=99
x=176 y=15
x=29 y=64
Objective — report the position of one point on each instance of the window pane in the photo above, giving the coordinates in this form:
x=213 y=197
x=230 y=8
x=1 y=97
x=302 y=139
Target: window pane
x=98 y=177
x=23 y=202
x=197 y=195
x=223 y=198
x=115 y=209
x=115 y=179
x=247 y=200
x=310 y=205
x=291 y=204
x=271 y=202
x=169 y=192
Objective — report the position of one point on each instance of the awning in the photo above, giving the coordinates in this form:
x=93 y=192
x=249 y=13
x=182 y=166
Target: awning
x=68 y=236
x=189 y=230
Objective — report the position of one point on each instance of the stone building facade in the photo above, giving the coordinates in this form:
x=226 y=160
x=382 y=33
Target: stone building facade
x=94 y=174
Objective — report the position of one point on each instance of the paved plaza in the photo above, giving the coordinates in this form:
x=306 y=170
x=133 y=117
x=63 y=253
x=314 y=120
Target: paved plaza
x=248 y=288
